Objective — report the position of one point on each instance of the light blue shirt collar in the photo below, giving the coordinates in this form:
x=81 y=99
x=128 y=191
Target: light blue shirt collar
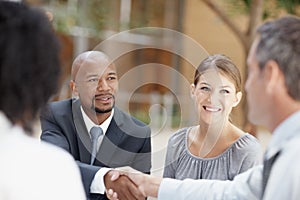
x=287 y=130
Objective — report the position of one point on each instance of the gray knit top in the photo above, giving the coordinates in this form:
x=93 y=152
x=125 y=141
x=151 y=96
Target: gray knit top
x=180 y=163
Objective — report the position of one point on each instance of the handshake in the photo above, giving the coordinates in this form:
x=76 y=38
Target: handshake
x=130 y=184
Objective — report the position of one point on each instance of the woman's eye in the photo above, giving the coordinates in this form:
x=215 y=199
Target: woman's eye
x=224 y=91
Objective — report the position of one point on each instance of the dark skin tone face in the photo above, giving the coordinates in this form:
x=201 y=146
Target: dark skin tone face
x=96 y=84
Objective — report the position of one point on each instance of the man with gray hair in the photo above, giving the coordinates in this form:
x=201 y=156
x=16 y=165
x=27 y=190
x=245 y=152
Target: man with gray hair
x=273 y=88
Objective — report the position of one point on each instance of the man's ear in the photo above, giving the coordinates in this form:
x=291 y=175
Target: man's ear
x=73 y=88
x=192 y=90
x=273 y=76
x=239 y=96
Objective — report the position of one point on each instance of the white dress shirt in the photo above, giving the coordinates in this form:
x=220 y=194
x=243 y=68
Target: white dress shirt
x=34 y=170
x=97 y=185
x=283 y=183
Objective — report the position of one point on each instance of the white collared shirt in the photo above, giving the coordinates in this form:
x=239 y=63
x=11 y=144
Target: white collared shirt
x=97 y=185
x=34 y=170
x=90 y=124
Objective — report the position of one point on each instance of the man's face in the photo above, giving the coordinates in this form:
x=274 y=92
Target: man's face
x=97 y=85
x=255 y=88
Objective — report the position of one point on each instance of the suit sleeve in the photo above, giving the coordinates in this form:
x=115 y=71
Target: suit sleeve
x=87 y=174
x=142 y=161
x=53 y=133
x=244 y=186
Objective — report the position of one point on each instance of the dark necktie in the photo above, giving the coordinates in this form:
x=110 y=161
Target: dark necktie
x=268 y=163
x=96 y=132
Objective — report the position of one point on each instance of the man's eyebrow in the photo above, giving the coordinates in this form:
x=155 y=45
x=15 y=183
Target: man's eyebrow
x=92 y=75
x=112 y=73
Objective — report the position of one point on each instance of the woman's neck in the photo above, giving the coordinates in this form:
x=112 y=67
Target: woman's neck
x=214 y=131
x=208 y=140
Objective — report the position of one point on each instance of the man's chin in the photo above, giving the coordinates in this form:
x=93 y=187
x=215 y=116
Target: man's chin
x=102 y=111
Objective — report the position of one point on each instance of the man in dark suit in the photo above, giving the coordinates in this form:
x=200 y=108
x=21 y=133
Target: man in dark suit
x=123 y=139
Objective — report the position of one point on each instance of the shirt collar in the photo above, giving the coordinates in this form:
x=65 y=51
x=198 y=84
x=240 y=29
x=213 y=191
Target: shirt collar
x=7 y=128
x=287 y=130
x=89 y=123
x=5 y=123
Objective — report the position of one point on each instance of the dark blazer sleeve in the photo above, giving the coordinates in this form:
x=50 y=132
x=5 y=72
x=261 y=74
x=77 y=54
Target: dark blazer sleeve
x=51 y=131
x=142 y=161
x=136 y=138
x=58 y=128
x=87 y=175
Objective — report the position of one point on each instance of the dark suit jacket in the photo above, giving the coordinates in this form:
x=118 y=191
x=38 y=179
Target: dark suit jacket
x=127 y=141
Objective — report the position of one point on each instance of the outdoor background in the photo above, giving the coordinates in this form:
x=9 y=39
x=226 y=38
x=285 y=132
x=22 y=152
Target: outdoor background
x=154 y=79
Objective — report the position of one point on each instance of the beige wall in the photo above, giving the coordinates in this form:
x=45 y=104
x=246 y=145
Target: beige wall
x=208 y=29
x=204 y=26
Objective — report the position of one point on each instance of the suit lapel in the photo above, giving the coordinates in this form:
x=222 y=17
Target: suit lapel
x=113 y=137
x=83 y=138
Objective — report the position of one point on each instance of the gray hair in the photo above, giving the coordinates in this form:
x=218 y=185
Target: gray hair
x=280 y=41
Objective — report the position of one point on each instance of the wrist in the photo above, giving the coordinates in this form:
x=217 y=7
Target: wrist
x=152 y=185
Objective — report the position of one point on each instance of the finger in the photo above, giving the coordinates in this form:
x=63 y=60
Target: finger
x=109 y=194
x=115 y=175
x=132 y=174
x=115 y=196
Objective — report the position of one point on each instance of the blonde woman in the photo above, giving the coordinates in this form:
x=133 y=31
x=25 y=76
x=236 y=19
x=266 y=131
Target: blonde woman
x=214 y=148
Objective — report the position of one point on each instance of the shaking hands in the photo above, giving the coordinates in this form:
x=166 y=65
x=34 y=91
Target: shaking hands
x=126 y=183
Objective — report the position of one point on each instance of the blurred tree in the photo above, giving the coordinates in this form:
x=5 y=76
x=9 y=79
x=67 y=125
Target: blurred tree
x=257 y=11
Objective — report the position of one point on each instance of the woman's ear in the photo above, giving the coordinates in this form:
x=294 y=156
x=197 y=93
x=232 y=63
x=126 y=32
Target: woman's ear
x=239 y=96
x=192 y=90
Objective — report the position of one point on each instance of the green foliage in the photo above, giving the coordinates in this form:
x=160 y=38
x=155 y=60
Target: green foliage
x=272 y=8
x=238 y=6
x=64 y=18
x=99 y=15
x=289 y=5
x=94 y=15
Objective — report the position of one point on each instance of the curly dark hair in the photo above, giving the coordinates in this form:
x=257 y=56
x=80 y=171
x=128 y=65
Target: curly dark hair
x=29 y=61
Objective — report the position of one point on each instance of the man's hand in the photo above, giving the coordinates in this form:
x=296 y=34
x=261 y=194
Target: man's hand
x=110 y=194
x=123 y=186
x=148 y=185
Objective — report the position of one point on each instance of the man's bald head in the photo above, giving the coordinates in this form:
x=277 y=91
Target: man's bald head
x=85 y=57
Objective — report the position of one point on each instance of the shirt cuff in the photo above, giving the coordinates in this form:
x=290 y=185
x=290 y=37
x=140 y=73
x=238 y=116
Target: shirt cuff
x=168 y=188
x=97 y=185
